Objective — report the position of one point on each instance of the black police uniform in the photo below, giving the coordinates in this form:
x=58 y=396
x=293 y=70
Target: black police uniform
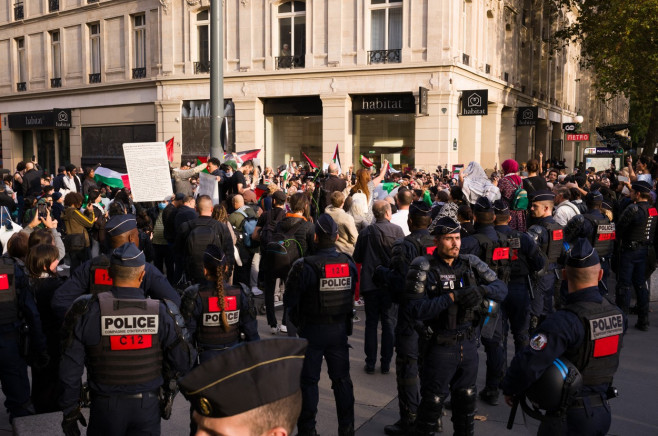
x=202 y=313
x=125 y=341
x=319 y=296
x=450 y=362
x=636 y=228
x=417 y=243
x=588 y=332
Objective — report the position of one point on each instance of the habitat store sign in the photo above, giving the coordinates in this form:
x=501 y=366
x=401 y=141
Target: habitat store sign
x=54 y=119
x=402 y=103
x=475 y=102
x=527 y=116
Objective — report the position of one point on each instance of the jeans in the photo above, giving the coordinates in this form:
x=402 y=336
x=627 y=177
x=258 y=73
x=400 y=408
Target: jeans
x=379 y=306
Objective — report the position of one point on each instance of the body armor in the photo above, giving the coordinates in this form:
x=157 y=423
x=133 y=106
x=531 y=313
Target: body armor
x=99 y=277
x=496 y=254
x=444 y=279
x=332 y=298
x=8 y=297
x=597 y=358
x=603 y=237
x=552 y=247
x=129 y=351
x=518 y=262
x=210 y=331
x=644 y=232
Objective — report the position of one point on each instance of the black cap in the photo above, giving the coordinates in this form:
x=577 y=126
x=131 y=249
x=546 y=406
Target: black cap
x=593 y=197
x=179 y=197
x=419 y=208
x=214 y=256
x=641 y=186
x=483 y=205
x=326 y=226
x=446 y=225
x=500 y=207
x=120 y=224
x=582 y=255
x=543 y=195
x=245 y=377
x=128 y=255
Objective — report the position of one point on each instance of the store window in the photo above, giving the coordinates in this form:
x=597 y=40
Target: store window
x=293 y=126
x=385 y=31
x=384 y=128
x=292 y=35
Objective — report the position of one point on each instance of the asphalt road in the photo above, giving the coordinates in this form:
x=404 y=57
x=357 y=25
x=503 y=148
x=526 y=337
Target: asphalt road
x=634 y=412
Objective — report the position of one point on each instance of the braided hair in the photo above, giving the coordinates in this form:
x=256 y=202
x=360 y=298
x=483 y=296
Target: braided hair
x=214 y=261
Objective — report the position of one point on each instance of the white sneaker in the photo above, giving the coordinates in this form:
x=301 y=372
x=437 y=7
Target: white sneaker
x=256 y=291
x=274 y=330
x=283 y=328
x=359 y=302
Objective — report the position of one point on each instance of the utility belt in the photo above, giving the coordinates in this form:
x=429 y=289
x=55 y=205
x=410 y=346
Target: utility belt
x=635 y=245
x=207 y=347
x=594 y=400
x=137 y=396
x=325 y=319
x=445 y=338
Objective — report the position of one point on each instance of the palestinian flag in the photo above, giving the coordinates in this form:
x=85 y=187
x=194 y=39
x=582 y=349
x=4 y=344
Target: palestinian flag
x=389 y=186
x=391 y=170
x=260 y=190
x=200 y=160
x=111 y=178
x=366 y=162
x=336 y=159
x=244 y=156
x=310 y=162
x=170 y=149
x=426 y=198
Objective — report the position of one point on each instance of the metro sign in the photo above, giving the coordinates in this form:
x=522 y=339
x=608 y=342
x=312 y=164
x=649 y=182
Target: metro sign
x=578 y=137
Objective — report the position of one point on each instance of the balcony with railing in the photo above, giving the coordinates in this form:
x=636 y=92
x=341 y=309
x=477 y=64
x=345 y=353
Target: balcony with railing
x=56 y=82
x=21 y=86
x=53 y=5
x=202 y=67
x=95 y=78
x=384 y=56
x=283 y=62
x=139 y=73
x=18 y=11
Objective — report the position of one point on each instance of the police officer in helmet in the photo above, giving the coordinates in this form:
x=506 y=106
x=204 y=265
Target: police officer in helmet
x=126 y=342
x=446 y=290
x=588 y=331
x=636 y=228
x=319 y=296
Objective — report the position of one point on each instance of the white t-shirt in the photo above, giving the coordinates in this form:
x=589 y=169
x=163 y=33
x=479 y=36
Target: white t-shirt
x=400 y=218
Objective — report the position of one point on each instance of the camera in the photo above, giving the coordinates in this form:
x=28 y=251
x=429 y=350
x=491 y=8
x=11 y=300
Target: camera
x=42 y=209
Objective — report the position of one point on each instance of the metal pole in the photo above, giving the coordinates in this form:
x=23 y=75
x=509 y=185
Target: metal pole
x=216 y=78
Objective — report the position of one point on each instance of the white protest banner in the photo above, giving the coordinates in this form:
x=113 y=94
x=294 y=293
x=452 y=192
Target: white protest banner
x=148 y=169
x=208 y=186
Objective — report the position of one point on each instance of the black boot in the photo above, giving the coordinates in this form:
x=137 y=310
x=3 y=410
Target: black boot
x=429 y=414
x=642 y=323
x=347 y=430
x=402 y=427
x=489 y=396
x=463 y=412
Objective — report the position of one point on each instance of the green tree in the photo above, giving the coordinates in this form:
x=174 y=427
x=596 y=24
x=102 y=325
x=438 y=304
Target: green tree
x=619 y=42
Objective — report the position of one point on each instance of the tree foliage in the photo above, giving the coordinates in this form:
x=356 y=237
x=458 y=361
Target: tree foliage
x=619 y=43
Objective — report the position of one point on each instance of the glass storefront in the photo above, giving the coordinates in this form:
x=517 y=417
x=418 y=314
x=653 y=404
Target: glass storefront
x=384 y=128
x=195 y=118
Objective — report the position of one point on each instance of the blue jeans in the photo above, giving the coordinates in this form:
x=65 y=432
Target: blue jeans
x=379 y=307
x=632 y=267
x=330 y=341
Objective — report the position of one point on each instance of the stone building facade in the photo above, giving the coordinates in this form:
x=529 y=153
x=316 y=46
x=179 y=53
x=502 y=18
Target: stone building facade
x=379 y=78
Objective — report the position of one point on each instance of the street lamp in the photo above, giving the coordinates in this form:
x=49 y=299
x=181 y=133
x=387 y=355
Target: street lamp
x=579 y=119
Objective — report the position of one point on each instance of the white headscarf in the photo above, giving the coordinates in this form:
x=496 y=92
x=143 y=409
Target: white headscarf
x=477 y=184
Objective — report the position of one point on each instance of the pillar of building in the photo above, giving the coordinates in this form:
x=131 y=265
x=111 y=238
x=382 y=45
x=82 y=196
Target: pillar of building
x=168 y=125
x=543 y=136
x=507 y=136
x=337 y=128
x=524 y=143
x=249 y=123
x=491 y=127
x=75 y=138
x=469 y=143
x=429 y=135
x=448 y=128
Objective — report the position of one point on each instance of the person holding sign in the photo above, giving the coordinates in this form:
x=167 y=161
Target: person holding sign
x=125 y=340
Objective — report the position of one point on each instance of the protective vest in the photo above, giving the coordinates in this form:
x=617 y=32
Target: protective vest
x=424 y=245
x=552 y=247
x=518 y=262
x=99 y=275
x=644 y=231
x=8 y=297
x=444 y=279
x=210 y=331
x=331 y=299
x=603 y=236
x=597 y=358
x=496 y=254
x=129 y=351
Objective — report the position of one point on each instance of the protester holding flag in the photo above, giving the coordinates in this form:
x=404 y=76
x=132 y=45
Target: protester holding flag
x=365 y=184
x=182 y=177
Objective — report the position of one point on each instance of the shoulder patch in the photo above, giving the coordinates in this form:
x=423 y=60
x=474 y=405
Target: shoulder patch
x=538 y=342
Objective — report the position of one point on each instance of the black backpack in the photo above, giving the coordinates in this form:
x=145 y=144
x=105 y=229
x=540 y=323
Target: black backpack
x=267 y=231
x=197 y=240
x=282 y=251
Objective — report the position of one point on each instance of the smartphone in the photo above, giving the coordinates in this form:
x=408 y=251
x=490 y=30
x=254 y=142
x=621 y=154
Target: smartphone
x=42 y=209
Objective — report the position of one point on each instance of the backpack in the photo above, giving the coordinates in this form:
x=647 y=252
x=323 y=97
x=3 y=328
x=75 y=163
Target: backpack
x=247 y=229
x=282 y=251
x=273 y=217
x=198 y=239
x=519 y=197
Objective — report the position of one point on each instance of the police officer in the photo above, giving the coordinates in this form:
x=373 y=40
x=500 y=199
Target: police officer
x=418 y=243
x=125 y=341
x=271 y=407
x=446 y=291
x=588 y=332
x=319 y=296
x=636 y=228
x=548 y=235
x=216 y=313
x=491 y=246
x=92 y=277
x=525 y=260
x=598 y=229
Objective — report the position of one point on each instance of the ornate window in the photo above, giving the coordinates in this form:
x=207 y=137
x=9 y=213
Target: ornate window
x=292 y=35
x=385 y=31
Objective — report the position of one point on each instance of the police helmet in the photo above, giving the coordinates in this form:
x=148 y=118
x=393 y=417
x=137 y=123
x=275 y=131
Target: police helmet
x=558 y=383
